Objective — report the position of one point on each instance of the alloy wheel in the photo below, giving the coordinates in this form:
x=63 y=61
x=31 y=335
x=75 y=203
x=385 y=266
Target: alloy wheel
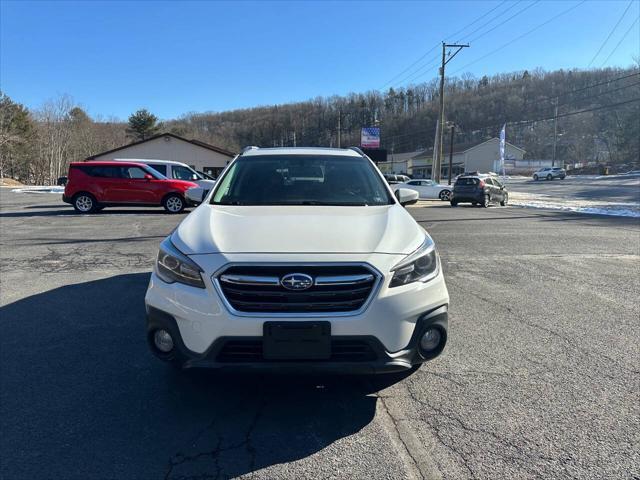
x=84 y=203
x=174 y=204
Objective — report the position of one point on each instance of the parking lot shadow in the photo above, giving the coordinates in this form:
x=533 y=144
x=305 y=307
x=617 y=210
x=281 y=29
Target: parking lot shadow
x=48 y=211
x=83 y=398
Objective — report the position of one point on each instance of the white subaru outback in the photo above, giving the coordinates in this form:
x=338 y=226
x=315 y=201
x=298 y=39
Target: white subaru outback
x=300 y=259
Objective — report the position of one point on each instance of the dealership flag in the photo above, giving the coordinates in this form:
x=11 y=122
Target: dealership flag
x=502 y=144
x=370 y=137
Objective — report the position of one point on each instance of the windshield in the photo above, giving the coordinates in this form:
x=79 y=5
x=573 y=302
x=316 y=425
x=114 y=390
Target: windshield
x=302 y=180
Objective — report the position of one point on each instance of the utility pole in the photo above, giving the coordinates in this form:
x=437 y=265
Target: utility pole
x=437 y=166
x=453 y=129
x=339 y=129
x=555 y=133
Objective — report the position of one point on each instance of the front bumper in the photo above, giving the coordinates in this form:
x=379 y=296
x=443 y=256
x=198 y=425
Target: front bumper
x=376 y=360
x=388 y=326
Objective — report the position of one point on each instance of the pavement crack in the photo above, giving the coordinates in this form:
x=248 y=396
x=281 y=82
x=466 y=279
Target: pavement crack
x=395 y=421
x=215 y=453
x=554 y=333
x=521 y=451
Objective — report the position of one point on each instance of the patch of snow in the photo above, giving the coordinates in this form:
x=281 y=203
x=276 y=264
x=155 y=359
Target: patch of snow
x=39 y=189
x=620 y=209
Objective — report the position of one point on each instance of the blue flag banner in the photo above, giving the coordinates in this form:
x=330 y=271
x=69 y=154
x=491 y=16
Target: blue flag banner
x=502 y=145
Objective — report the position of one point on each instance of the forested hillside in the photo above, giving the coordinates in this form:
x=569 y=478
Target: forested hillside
x=478 y=107
x=598 y=120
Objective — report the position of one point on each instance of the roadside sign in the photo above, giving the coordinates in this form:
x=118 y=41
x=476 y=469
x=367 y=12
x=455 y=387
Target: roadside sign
x=370 y=137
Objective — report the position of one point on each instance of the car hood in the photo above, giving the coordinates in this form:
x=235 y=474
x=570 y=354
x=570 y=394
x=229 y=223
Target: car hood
x=298 y=229
x=182 y=184
x=205 y=183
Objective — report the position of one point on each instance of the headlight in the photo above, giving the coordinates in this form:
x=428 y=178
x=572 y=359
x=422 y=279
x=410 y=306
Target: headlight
x=420 y=266
x=173 y=266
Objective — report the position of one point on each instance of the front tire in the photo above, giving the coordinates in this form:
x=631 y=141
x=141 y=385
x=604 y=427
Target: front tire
x=535 y=178
x=504 y=200
x=85 y=203
x=549 y=177
x=173 y=203
x=445 y=195
x=485 y=201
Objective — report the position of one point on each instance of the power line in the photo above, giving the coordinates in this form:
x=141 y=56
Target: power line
x=620 y=42
x=599 y=94
x=432 y=64
x=438 y=44
x=504 y=21
x=513 y=4
x=611 y=32
x=478 y=19
x=525 y=122
x=434 y=61
x=522 y=36
x=410 y=66
x=571 y=92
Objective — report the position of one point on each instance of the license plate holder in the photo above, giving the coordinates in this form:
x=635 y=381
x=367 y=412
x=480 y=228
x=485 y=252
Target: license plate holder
x=297 y=340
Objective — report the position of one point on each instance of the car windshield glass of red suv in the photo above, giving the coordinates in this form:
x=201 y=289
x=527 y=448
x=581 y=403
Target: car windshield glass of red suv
x=302 y=180
x=152 y=171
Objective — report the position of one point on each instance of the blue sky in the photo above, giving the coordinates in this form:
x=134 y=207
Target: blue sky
x=179 y=57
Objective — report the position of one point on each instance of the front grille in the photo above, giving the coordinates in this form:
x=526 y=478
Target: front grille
x=334 y=288
x=342 y=350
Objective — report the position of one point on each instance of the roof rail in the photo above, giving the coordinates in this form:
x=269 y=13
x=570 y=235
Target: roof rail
x=250 y=147
x=358 y=150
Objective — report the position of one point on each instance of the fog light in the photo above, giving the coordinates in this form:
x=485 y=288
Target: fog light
x=430 y=340
x=163 y=341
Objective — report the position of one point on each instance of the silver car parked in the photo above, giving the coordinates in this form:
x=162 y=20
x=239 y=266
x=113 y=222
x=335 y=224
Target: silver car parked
x=549 y=173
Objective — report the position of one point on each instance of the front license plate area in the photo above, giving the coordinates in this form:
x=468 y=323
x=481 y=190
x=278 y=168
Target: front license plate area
x=297 y=340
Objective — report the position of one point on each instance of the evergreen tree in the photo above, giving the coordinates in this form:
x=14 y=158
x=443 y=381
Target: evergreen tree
x=143 y=124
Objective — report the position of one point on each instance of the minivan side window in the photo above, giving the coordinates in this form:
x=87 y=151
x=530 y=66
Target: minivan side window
x=160 y=169
x=133 y=172
x=101 y=171
x=181 y=173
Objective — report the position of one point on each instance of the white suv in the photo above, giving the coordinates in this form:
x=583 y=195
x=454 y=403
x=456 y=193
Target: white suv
x=549 y=173
x=299 y=259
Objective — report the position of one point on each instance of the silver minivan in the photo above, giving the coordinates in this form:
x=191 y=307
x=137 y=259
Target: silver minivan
x=174 y=170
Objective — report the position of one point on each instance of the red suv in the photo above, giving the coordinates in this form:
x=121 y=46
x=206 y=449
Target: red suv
x=94 y=185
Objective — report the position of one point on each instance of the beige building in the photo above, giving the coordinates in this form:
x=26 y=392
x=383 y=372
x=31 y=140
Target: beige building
x=483 y=157
x=167 y=146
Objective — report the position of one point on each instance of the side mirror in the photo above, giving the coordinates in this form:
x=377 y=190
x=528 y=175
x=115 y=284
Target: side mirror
x=195 y=195
x=406 y=196
x=148 y=176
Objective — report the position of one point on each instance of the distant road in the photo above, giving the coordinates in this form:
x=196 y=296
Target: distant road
x=614 y=188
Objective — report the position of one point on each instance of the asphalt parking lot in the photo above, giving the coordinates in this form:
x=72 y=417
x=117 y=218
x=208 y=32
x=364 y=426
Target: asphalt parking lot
x=617 y=188
x=540 y=378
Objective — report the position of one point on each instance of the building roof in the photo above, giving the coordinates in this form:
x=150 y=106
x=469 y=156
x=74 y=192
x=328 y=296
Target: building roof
x=342 y=152
x=172 y=135
x=109 y=163
x=464 y=148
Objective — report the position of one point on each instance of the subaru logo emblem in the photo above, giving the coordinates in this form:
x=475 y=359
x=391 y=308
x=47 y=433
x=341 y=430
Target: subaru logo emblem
x=296 y=281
